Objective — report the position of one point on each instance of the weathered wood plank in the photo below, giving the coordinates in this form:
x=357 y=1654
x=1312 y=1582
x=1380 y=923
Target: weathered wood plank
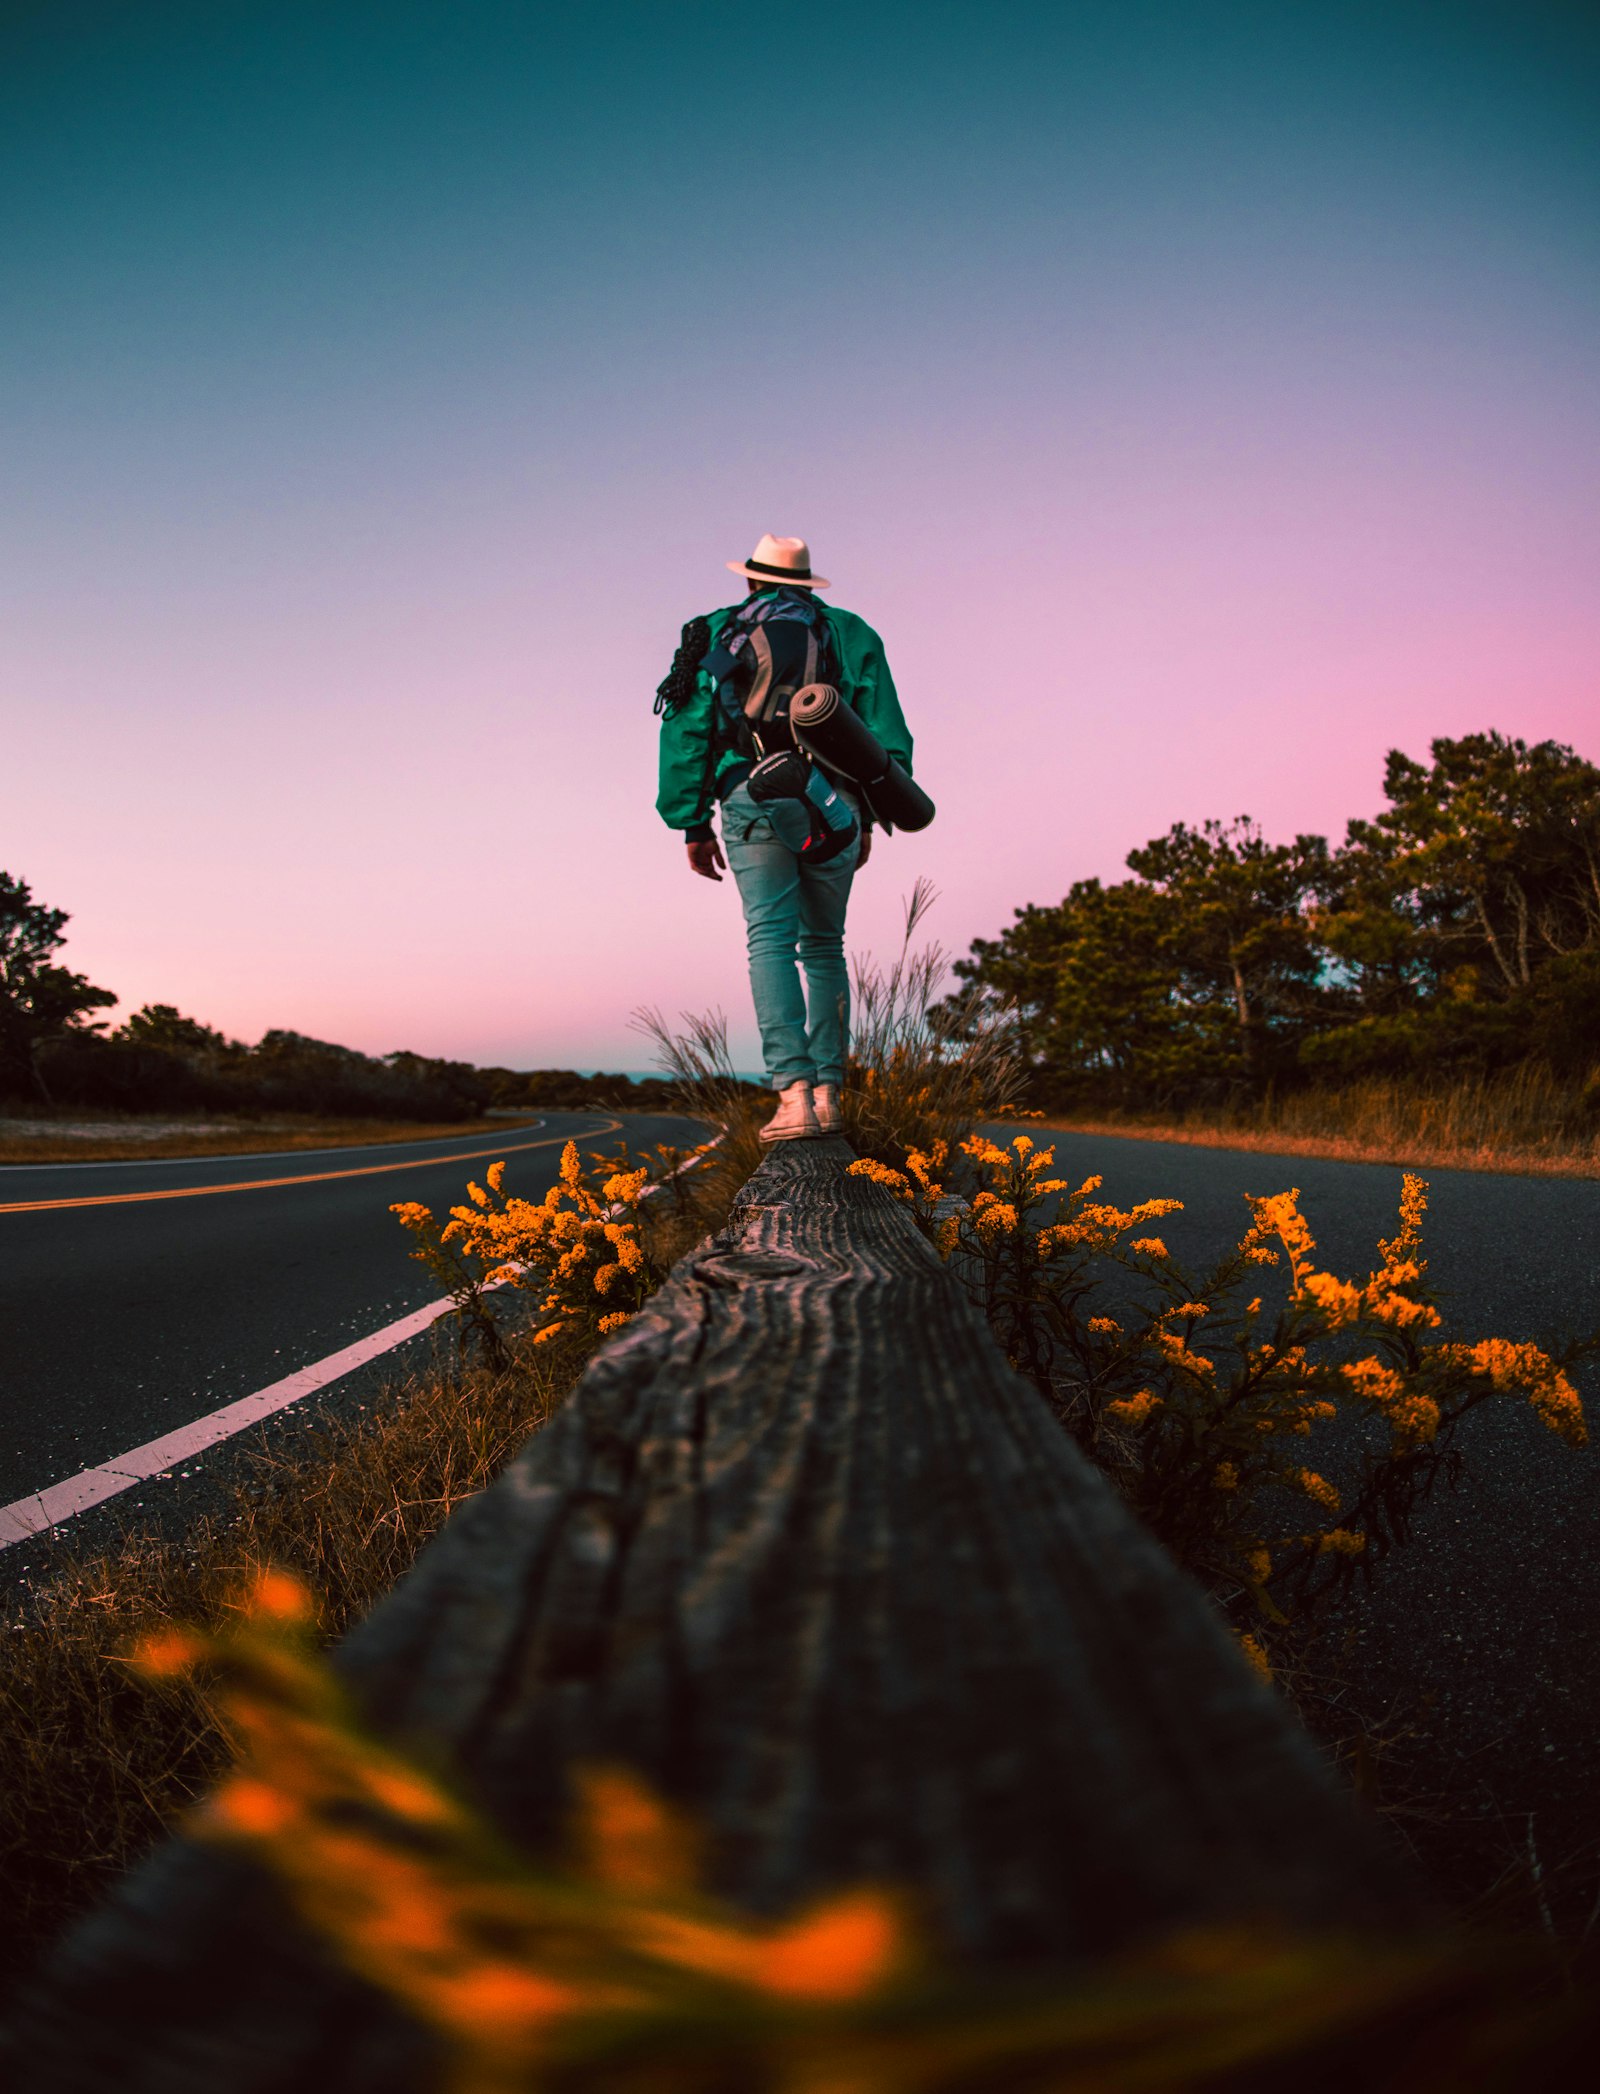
x=807 y=1554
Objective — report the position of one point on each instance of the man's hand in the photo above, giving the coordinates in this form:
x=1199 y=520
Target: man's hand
x=705 y=857
x=865 y=851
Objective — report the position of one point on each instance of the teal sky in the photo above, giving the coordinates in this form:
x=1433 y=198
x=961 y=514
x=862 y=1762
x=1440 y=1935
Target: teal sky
x=1199 y=400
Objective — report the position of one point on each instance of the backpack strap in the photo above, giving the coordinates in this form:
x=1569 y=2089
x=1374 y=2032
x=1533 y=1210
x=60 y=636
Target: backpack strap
x=761 y=697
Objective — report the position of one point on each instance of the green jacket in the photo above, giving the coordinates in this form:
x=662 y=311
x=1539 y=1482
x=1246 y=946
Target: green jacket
x=692 y=760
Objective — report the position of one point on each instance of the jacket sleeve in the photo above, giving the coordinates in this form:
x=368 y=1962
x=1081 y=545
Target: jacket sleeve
x=685 y=798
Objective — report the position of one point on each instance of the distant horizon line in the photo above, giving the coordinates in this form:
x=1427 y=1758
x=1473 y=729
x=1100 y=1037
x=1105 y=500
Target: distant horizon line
x=652 y=1075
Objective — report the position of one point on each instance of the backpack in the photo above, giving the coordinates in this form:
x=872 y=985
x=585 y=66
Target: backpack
x=774 y=645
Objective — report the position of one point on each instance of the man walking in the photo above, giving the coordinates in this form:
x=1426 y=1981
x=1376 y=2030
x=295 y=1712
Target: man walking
x=724 y=706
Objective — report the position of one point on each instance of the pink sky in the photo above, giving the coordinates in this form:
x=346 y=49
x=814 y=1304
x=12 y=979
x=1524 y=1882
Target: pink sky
x=337 y=595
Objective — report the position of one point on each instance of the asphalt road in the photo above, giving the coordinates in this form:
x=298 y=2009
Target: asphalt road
x=124 y=1319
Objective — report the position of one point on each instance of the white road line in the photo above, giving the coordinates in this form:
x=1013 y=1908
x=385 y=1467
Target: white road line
x=48 y=1508
x=42 y=1510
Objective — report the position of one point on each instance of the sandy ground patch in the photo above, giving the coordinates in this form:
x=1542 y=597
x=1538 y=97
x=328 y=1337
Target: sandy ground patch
x=110 y=1130
x=43 y=1141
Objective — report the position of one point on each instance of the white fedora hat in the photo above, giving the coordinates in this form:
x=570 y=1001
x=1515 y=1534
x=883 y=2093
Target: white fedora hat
x=786 y=560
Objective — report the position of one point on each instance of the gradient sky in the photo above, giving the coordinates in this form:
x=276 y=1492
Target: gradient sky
x=1200 y=399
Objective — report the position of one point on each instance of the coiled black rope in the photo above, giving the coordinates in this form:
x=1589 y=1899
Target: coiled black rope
x=676 y=688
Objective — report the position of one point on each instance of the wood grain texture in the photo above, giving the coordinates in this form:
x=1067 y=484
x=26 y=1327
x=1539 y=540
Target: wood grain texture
x=806 y=1553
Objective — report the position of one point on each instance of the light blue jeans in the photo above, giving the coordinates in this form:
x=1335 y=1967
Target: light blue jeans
x=794 y=918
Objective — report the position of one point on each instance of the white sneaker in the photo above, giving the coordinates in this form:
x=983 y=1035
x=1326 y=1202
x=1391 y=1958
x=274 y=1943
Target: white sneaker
x=794 y=1120
x=825 y=1102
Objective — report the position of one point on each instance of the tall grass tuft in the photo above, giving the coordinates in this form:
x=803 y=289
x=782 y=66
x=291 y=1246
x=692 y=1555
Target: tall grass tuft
x=699 y=1061
x=922 y=1071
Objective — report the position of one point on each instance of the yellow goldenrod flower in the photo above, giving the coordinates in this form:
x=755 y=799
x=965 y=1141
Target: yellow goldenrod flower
x=1373 y=1380
x=1315 y=1487
x=1338 y=1300
x=1554 y=1399
x=1135 y=1409
x=1341 y=1541
x=1104 y=1323
x=1181 y=1356
x=1151 y=1246
x=1278 y=1214
x=1403 y=1314
x=880 y=1174
x=272 y=1595
x=1414 y=1420
x=984 y=1151
x=486 y=1953
x=1255 y=1651
x=167 y=1653
x=623 y=1188
x=1225 y=1476
x=1401 y=1248
x=924 y=1166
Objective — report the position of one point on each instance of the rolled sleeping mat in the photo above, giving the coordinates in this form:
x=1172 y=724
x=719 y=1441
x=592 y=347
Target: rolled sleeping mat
x=841 y=739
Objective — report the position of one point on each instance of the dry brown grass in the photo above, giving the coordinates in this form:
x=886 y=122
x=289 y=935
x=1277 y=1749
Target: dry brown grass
x=93 y=1765
x=227 y=1138
x=1526 y=1121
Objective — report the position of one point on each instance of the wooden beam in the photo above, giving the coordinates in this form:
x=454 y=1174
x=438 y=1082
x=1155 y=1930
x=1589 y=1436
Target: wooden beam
x=805 y=1552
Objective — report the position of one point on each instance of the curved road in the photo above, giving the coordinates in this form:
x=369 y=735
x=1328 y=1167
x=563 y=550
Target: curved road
x=135 y=1297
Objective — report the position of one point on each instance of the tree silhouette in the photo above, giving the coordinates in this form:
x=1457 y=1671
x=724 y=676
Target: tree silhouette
x=1459 y=927
x=39 y=1001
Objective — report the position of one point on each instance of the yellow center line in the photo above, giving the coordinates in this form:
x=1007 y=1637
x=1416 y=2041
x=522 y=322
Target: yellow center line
x=366 y=1170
